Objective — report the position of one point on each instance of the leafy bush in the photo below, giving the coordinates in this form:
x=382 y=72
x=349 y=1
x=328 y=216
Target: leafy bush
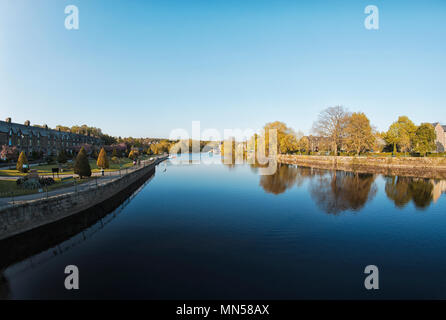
x=46 y=181
x=50 y=160
x=20 y=181
x=381 y=154
x=29 y=184
x=437 y=155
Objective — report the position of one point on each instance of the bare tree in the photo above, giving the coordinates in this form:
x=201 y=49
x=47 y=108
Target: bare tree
x=331 y=124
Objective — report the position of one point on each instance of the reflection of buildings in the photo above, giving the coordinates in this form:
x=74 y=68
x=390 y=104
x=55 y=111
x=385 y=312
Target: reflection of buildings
x=439 y=189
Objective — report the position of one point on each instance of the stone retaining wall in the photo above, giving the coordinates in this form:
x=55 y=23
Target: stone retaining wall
x=32 y=214
x=424 y=167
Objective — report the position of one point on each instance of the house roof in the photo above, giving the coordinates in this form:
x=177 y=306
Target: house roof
x=17 y=128
x=437 y=123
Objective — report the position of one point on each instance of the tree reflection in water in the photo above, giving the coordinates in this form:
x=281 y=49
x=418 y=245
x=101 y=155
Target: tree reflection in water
x=340 y=191
x=401 y=190
x=283 y=179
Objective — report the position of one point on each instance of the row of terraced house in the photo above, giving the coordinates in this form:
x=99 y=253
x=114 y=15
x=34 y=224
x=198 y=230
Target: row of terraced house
x=42 y=140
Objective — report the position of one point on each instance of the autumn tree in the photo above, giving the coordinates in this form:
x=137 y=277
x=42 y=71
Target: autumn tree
x=133 y=154
x=102 y=161
x=331 y=124
x=21 y=162
x=82 y=165
x=359 y=133
x=424 y=140
x=303 y=144
x=286 y=137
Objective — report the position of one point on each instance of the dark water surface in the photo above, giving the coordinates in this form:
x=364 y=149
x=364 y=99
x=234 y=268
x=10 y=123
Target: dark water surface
x=218 y=231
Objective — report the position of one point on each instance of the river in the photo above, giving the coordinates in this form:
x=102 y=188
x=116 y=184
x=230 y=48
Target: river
x=216 y=231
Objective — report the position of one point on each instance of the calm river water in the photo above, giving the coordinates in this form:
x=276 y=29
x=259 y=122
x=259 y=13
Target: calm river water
x=218 y=231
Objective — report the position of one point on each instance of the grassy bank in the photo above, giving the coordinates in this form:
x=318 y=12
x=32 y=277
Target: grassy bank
x=67 y=168
x=9 y=188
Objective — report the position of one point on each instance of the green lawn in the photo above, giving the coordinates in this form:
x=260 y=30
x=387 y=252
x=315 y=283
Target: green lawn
x=67 y=168
x=7 y=188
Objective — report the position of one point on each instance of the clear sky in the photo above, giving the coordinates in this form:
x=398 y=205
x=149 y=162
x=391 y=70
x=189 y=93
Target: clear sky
x=143 y=68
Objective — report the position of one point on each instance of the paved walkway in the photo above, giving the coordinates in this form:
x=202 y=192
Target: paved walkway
x=71 y=187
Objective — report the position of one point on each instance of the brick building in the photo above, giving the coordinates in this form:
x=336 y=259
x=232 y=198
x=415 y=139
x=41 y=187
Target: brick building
x=41 y=140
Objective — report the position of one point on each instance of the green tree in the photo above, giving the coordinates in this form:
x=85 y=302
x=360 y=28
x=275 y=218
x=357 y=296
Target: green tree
x=22 y=161
x=82 y=165
x=402 y=134
x=425 y=139
x=102 y=161
x=115 y=153
x=62 y=157
x=359 y=133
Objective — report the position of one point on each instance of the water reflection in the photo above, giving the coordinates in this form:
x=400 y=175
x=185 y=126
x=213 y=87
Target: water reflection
x=284 y=178
x=338 y=191
x=422 y=192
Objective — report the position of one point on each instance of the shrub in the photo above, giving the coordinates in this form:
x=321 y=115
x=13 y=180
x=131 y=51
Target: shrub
x=29 y=184
x=62 y=157
x=437 y=155
x=20 y=181
x=103 y=160
x=21 y=162
x=46 y=181
x=82 y=166
x=50 y=160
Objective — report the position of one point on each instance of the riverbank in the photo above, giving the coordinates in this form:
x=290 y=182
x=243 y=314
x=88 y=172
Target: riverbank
x=433 y=168
x=26 y=215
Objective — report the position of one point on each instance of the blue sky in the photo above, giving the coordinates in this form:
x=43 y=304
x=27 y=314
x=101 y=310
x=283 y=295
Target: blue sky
x=143 y=68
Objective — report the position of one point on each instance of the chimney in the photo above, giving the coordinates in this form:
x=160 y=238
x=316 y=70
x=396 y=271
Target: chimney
x=45 y=126
x=8 y=120
x=27 y=123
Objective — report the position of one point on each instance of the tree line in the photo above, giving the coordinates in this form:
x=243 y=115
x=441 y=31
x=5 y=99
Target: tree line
x=338 y=131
